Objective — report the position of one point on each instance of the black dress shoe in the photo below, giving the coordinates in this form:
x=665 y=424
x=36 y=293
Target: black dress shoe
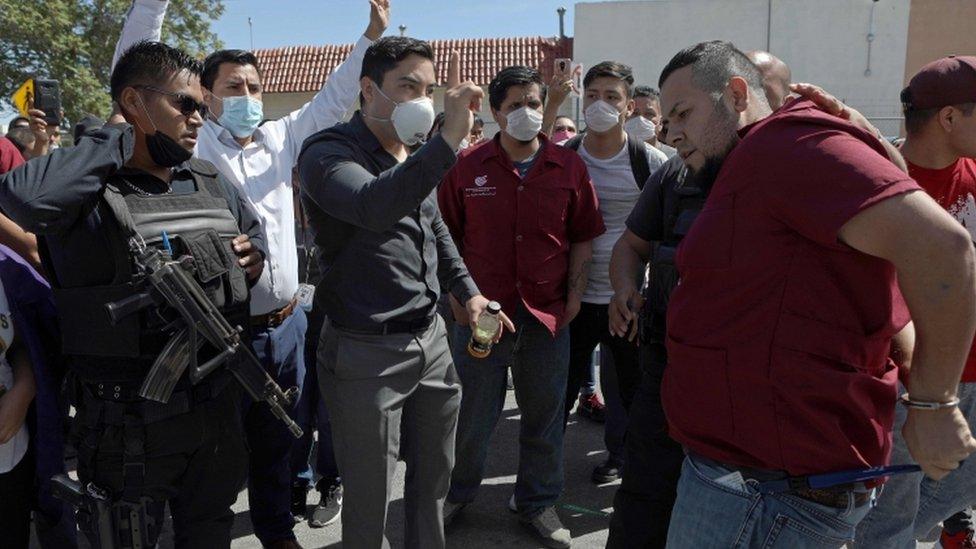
x=608 y=472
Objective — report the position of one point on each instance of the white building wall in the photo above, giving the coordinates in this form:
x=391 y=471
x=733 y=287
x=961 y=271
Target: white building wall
x=823 y=41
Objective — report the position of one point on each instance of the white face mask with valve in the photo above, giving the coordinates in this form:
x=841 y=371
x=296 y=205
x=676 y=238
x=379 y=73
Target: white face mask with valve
x=601 y=116
x=412 y=120
x=640 y=128
x=524 y=124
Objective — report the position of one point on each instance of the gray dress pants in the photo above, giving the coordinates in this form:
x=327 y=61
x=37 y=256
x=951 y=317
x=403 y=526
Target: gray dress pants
x=373 y=386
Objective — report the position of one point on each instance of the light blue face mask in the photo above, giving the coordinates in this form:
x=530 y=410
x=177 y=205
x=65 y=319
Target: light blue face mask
x=241 y=115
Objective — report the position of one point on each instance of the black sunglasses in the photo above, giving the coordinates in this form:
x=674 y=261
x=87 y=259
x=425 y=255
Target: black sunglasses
x=186 y=104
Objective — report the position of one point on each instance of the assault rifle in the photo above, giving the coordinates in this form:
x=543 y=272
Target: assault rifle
x=169 y=282
x=93 y=506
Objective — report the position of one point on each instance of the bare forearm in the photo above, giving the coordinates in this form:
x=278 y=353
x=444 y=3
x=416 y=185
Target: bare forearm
x=20 y=241
x=942 y=298
x=23 y=374
x=41 y=147
x=626 y=265
x=580 y=257
x=549 y=115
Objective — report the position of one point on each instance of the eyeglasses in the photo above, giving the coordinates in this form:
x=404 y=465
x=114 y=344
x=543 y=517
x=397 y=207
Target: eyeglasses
x=186 y=104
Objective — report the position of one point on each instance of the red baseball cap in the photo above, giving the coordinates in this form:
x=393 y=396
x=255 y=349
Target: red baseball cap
x=947 y=81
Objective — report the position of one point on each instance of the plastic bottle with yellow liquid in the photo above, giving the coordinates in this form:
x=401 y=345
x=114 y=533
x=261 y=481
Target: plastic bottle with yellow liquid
x=483 y=335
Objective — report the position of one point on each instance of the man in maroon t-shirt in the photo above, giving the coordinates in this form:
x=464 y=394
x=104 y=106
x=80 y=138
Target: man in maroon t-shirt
x=523 y=213
x=778 y=334
x=940 y=118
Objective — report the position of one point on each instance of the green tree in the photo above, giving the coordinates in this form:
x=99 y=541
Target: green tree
x=72 y=41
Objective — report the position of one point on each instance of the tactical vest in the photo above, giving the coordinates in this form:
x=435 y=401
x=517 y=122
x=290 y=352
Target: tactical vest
x=198 y=224
x=683 y=201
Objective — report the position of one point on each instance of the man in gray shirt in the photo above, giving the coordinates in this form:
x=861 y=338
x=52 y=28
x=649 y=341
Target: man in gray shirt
x=384 y=252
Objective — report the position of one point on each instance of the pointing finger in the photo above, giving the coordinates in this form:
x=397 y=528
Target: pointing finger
x=454 y=70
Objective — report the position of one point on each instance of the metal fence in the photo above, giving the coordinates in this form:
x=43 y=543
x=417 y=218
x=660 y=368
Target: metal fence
x=890 y=126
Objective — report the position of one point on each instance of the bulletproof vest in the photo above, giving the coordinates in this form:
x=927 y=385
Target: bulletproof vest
x=197 y=224
x=683 y=201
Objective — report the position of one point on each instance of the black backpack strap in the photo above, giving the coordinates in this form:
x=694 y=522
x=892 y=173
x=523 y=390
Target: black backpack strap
x=574 y=143
x=638 y=161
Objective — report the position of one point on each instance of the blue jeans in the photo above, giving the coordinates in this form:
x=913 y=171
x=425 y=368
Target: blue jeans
x=910 y=506
x=710 y=514
x=540 y=364
x=311 y=415
x=281 y=351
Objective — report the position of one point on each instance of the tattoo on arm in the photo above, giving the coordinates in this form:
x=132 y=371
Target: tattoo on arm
x=577 y=279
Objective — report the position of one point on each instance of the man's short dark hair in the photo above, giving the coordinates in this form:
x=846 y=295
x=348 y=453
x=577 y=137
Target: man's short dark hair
x=21 y=137
x=150 y=63
x=713 y=64
x=17 y=120
x=917 y=119
x=611 y=69
x=211 y=65
x=516 y=75
x=384 y=55
x=647 y=91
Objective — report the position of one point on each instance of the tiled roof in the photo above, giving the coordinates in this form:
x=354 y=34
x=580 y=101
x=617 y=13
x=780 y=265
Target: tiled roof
x=305 y=68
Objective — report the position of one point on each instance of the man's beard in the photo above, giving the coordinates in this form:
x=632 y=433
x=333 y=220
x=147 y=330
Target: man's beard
x=722 y=137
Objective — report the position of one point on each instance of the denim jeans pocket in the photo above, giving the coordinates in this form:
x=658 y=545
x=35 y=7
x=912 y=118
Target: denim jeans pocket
x=801 y=523
x=707 y=474
x=789 y=533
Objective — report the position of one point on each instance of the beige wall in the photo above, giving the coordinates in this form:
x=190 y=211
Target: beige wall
x=823 y=41
x=938 y=28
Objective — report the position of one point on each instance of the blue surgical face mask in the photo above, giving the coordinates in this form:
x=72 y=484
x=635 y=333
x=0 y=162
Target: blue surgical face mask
x=241 y=115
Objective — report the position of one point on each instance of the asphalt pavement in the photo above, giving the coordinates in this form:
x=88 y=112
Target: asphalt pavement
x=487 y=523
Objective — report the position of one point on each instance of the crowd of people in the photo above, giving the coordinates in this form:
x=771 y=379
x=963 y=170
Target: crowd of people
x=785 y=301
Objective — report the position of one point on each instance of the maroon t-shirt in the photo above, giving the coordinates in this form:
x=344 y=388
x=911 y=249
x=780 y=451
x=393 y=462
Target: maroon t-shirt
x=514 y=233
x=10 y=157
x=778 y=334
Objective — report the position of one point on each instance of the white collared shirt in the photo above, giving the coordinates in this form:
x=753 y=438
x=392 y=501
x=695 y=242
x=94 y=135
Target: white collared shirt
x=263 y=168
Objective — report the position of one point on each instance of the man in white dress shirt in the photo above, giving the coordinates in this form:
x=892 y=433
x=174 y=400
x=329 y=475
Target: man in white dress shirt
x=260 y=161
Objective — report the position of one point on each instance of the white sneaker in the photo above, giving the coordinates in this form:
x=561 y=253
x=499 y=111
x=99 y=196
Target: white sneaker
x=548 y=528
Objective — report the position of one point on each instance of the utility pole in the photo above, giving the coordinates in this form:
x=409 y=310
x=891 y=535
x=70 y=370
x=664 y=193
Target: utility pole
x=250 y=29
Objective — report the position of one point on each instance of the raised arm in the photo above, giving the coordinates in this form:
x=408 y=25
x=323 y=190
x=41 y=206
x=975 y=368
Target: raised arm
x=347 y=191
x=144 y=21
x=340 y=91
x=47 y=194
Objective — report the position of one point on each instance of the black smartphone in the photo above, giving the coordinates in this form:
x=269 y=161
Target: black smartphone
x=47 y=97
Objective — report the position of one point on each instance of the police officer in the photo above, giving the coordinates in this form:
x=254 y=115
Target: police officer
x=140 y=453
x=668 y=205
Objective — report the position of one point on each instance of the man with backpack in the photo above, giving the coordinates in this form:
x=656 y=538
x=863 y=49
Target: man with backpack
x=618 y=166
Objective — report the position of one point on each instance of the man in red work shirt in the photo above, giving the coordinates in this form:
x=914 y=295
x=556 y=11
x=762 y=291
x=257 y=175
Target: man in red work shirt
x=940 y=118
x=779 y=332
x=523 y=213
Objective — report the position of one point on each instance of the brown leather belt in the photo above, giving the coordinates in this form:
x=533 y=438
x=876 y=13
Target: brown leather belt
x=833 y=497
x=274 y=318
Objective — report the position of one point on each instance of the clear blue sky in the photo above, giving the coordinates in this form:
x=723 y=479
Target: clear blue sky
x=306 y=22
x=303 y=22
